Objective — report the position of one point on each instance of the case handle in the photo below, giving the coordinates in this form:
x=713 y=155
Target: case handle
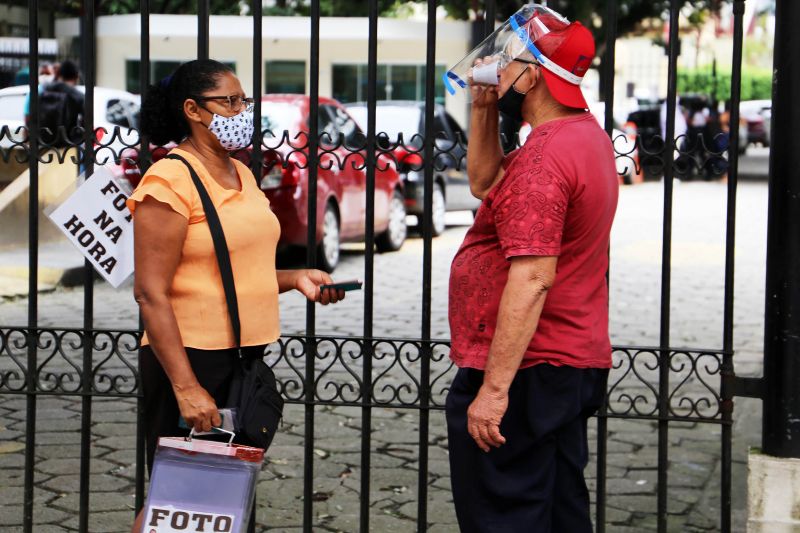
x=213 y=429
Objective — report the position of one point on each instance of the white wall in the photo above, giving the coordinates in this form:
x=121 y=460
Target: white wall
x=342 y=40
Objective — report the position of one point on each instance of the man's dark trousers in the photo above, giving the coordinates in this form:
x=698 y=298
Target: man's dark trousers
x=534 y=482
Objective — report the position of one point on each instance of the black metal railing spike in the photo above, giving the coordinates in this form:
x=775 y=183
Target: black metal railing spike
x=32 y=148
x=88 y=62
x=666 y=271
x=726 y=392
x=203 y=28
x=313 y=158
x=427 y=265
x=369 y=264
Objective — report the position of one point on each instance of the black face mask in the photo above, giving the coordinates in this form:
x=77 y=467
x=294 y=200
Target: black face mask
x=510 y=104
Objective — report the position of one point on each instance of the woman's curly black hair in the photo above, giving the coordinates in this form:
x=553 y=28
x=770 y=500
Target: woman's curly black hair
x=162 y=118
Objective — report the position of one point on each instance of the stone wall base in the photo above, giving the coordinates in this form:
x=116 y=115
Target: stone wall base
x=773 y=494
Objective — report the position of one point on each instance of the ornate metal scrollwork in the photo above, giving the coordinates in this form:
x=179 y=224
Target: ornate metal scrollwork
x=338 y=373
x=693 y=390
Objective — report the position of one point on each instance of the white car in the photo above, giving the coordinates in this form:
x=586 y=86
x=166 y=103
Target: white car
x=115 y=111
x=758 y=117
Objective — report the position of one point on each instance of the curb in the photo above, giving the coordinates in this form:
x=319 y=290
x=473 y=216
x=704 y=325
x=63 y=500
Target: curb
x=75 y=276
x=14 y=280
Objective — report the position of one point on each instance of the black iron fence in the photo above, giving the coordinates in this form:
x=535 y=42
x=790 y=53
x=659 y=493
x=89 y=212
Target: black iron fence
x=662 y=384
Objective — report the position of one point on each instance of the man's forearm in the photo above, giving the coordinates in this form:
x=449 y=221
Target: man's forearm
x=485 y=155
x=517 y=319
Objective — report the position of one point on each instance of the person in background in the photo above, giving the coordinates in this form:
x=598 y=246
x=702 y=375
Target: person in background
x=61 y=108
x=188 y=354
x=724 y=140
x=680 y=123
x=682 y=161
x=695 y=147
x=47 y=75
x=716 y=141
x=22 y=77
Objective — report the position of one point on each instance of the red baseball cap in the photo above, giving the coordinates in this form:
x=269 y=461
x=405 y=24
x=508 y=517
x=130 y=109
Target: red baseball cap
x=566 y=55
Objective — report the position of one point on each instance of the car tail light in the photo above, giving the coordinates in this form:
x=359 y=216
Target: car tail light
x=407 y=161
x=276 y=176
x=755 y=123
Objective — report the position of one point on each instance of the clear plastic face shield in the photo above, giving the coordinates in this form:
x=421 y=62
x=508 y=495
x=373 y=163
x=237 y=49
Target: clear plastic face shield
x=515 y=39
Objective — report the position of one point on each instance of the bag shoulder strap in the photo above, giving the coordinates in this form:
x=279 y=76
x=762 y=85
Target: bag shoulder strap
x=221 y=249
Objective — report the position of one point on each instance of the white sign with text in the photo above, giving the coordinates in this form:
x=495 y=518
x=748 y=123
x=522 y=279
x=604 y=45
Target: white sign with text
x=169 y=519
x=97 y=221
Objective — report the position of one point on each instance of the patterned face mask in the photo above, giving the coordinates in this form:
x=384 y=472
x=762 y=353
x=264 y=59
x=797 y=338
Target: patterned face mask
x=233 y=133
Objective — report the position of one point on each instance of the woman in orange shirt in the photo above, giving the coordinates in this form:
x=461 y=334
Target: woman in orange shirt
x=188 y=353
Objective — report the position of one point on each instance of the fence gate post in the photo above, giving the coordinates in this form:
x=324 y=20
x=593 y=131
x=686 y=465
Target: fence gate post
x=772 y=489
x=781 y=432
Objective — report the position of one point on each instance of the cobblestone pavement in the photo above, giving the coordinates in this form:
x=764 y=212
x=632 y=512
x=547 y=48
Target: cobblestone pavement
x=696 y=321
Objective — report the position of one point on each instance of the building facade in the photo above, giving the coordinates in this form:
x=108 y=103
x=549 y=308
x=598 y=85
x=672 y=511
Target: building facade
x=285 y=51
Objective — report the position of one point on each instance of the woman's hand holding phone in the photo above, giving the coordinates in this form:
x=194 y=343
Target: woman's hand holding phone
x=317 y=286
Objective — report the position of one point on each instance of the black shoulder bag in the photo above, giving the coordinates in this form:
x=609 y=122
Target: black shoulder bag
x=254 y=391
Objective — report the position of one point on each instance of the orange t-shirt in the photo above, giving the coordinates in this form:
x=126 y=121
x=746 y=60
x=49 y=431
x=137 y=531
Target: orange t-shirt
x=251 y=231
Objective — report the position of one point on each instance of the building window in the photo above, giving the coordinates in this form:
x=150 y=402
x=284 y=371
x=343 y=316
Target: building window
x=394 y=82
x=345 y=83
x=285 y=77
x=158 y=71
x=403 y=83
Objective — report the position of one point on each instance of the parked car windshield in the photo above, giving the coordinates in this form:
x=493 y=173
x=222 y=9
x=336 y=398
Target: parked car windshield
x=277 y=117
x=391 y=120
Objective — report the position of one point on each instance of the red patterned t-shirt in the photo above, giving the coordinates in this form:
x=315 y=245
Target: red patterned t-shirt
x=557 y=197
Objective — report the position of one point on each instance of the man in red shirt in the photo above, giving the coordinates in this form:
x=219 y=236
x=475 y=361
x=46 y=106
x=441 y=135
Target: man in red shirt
x=529 y=298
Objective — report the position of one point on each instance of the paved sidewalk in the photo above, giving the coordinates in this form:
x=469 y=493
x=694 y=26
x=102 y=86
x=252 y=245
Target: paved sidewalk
x=694 y=473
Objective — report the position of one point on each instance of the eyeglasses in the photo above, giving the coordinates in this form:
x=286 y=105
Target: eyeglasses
x=234 y=102
x=526 y=61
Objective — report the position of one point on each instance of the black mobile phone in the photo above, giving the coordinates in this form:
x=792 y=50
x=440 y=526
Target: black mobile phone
x=351 y=285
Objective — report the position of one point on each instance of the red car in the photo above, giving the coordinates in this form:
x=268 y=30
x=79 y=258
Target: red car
x=341 y=183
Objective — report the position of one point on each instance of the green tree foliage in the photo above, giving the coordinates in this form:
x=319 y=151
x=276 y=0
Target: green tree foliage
x=74 y=8
x=630 y=13
x=329 y=8
x=756 y=83
x=593 y=13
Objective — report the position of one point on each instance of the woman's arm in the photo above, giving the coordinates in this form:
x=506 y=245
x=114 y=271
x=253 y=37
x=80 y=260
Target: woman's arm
x=159 y=233
x=307 y=281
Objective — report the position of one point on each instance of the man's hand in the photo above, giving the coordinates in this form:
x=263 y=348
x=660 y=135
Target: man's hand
x=484 y=416
x=483 y=96
x=307 y=281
